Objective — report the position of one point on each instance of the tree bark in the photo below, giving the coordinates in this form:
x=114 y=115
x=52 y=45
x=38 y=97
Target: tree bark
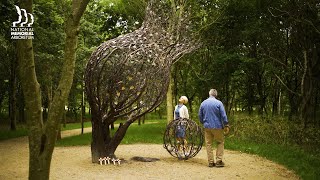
x=65 y=83
x=100 y=136
x=102 y=144
x=306 y=92
x=42 y=137
x=82 y=108
x=227 y=97
x=38 y=165
x=117 y=138
x=21 y=105
x=12 y=95
x=169 y=102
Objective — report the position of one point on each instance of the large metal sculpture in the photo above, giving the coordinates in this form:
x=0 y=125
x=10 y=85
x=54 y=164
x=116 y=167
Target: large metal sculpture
x=128 y=76
x=186 y=147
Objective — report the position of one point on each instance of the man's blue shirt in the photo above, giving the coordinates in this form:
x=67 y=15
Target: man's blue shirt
x=212 y=113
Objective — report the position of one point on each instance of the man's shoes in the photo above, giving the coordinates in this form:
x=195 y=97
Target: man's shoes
x=211 y=164
x=220 y=164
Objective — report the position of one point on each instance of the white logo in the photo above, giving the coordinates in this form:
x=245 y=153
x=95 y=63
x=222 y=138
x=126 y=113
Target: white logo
x=21 y=29
x=14 y=24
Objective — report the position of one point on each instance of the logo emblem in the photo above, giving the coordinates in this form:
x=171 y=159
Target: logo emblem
x=14 y=24
x=22 y=28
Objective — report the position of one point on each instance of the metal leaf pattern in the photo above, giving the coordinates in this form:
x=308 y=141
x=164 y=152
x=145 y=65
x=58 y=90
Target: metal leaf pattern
x=129 y=75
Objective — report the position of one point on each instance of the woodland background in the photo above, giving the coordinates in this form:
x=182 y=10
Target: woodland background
x=263 y=57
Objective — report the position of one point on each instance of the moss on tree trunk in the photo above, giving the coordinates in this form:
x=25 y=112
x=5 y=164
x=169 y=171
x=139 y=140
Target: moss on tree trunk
x=42 y=136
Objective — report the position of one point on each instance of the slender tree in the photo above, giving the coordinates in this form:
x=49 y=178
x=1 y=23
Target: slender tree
x=169 y=99
x=42 y=136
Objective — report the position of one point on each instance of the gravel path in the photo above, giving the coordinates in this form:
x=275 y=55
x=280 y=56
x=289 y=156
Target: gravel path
x=75 y=163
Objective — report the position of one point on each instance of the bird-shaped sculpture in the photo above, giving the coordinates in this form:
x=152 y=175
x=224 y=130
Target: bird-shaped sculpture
x=128 y=76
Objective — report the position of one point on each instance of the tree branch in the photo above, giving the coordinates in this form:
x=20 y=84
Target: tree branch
x=286 y=86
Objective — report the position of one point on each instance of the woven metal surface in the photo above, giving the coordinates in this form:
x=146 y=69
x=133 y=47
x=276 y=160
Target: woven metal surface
x=128 y=76
x=186 y=146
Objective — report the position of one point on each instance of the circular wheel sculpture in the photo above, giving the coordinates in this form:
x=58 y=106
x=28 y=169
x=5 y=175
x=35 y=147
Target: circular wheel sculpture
x=183 y=138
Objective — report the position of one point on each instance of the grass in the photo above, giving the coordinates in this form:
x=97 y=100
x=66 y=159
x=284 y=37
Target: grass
x=151 y=132
x=6 y=133
x=145 y=133
x=79 y=140
x=70 y=126
x=305 y=165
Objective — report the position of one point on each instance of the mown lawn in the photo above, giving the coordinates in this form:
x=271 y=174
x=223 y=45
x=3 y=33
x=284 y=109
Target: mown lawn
x=6 y=133
x=151 y=132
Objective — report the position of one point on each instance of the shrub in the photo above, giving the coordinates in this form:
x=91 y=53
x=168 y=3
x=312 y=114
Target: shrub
x=274 y=130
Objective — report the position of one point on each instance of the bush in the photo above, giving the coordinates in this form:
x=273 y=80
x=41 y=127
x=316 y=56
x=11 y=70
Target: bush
x=274 y=130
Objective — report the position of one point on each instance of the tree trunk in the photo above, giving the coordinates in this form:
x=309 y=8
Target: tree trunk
x=232 y=102
x=82 y=108
x=250 y=97
x=59 y=137
x=102 y=144
x=169 y=102
x=98 y=148
x=174 y=84
x=275 y=98
x=228 y=98
x=48 y=89
x=160 y=113
x=81 y=117
x=306 y=92
x=42 y=137
x=117 y=138
x=39 y=165
x=316 y=107
x=64 y=114
x=100 y=137
x=21 y=105
x=260 y=90
x=190 y=105
x=65 y=83
x=279 y=102
x=12 y=95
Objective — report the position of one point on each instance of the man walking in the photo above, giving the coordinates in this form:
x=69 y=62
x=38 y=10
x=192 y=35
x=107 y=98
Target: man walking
x=214 y=119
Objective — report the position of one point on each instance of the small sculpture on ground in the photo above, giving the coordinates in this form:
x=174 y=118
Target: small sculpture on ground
x=192 y=142
x=106 y=160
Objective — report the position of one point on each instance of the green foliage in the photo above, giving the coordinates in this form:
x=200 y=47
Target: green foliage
x=274 y=130
x=7 y=54
x=260 y=130
x=253 y=54
x=117 y=17
x=133 y=8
